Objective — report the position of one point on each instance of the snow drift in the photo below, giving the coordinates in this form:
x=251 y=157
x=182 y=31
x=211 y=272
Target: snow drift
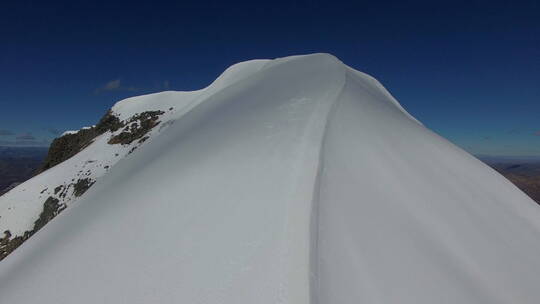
x=295 y=180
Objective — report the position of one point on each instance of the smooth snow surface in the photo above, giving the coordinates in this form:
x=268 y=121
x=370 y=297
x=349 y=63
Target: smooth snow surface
x=296 y=180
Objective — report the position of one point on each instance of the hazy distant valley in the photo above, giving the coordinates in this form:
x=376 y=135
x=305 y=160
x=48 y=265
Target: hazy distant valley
x=525 y=174
x=18 y=164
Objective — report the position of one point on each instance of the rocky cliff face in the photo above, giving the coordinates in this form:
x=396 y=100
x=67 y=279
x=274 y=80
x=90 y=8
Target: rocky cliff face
x=68 y=145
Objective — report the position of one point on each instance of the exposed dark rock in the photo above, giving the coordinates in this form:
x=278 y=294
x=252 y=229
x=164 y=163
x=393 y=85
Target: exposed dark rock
x=109 y=122
x=82 y=185
x=64 y=147
x=57 y=189
x=7 y=236
x=51 y=208
x=7 y=244
x=65 y=191
x=137 y=127
x=142 y=139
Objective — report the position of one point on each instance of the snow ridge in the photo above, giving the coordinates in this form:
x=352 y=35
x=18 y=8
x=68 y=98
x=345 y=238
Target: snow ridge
x=294 y=180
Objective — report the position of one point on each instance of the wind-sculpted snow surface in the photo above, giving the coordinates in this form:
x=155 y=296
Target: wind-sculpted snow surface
x=296 y=180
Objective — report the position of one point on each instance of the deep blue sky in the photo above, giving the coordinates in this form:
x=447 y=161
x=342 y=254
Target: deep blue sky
x=470 y=71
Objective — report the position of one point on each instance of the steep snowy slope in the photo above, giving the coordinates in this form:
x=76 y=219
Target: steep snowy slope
x=296 y=180
x=128 y=125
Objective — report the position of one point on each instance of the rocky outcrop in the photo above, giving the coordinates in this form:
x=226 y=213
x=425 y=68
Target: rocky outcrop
x=137 y=127
x=51 y=208
x=80 y=187
x=64 y=147
x=133 y=131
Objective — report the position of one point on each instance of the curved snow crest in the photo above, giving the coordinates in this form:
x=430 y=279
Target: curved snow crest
x=166 y=99
x=235 y=73
x=382 y=90
x=296 y=180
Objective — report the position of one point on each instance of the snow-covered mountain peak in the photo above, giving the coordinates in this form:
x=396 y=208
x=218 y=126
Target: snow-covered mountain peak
x=294 y=180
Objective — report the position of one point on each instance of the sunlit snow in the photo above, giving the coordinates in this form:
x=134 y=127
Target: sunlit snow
x=295 y=180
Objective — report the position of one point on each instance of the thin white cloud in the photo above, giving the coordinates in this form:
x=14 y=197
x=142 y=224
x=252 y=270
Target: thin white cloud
x=25 y=136
x=114 y=85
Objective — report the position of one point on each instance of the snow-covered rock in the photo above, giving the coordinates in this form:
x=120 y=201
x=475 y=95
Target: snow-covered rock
x=294 y=180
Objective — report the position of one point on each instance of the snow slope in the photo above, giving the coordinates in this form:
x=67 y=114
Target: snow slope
x=296 y=180
x=21 y=207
